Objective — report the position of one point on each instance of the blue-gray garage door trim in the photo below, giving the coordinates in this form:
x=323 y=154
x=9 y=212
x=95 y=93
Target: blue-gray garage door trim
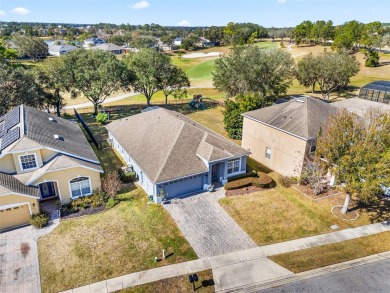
x=183 y=186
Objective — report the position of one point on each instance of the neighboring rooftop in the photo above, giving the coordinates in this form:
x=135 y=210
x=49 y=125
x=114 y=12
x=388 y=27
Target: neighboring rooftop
x=8 y=184
x=107 y=47
x=360 y=106
x=302 y=117
x=169 y=145
x=61 y=48
x=33 y=128
x=378 y=91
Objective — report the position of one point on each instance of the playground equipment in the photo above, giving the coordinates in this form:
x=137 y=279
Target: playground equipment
x=197 y=102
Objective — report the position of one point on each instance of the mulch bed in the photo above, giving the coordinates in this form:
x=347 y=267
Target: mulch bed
x=83 y=212
x=309 y=192
x=243 y=191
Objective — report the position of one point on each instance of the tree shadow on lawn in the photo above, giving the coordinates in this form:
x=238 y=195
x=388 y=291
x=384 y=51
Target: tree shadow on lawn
x=378 y=212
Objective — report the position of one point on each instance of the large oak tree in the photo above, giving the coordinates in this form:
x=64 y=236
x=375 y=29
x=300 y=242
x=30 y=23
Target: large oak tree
x=96 y=74
x=252 y=70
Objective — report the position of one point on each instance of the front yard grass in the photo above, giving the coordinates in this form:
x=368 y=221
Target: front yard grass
x=329 y=254
x=177 y=284
x=120 y=241
x=282 y=214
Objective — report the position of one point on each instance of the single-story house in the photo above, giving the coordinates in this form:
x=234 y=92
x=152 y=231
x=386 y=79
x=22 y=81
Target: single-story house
x=283 y=135
x=42 y=157
x=360 y=106
x=174 y=155
x=92 y=42
x=58 y=50
x=109 y=47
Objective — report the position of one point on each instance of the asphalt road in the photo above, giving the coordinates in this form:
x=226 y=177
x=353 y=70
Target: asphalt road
x=369 y=278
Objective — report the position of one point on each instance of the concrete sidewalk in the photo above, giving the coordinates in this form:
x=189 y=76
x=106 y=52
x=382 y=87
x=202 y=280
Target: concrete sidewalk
x=237 y=269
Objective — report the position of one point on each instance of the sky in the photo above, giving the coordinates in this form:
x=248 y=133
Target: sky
x=268 y=13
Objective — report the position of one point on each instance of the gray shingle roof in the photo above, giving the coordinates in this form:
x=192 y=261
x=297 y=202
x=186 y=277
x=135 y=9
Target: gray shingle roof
x=9 y=183
x=169 y=145
x=302 y=117
x=41 y=130
x=361 y=106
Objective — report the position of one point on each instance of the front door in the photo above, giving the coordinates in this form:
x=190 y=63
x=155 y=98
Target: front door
x=47 y=190
x=214 y=172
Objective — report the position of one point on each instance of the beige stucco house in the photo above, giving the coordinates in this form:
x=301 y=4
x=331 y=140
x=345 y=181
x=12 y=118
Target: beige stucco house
x=283 y=135
x=42 y=157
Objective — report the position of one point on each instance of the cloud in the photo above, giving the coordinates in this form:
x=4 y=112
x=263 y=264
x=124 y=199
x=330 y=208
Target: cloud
x=183 y=23
x=140 y=5
x=2 y=13
x=20 y=10
x=281 y=1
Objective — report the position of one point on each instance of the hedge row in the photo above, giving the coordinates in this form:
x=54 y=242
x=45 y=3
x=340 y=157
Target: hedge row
x=263 y=181
x=245 y=175
x=127 y=177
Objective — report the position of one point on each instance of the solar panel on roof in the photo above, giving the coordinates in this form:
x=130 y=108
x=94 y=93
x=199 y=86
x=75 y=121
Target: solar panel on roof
x=12 y=118
x=10 y=137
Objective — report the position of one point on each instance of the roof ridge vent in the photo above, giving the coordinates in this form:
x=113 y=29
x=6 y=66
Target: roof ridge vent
x=299 y=100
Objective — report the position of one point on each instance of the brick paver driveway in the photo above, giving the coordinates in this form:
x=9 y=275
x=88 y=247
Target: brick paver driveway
x=206 y=225
x=19 y=267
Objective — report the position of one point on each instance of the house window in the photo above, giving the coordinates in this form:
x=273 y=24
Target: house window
x=233 y=166
x=268 y=153
x=28 y=162
x=80 y=186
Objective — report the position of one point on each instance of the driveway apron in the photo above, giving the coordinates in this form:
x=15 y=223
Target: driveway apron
x=206 y=225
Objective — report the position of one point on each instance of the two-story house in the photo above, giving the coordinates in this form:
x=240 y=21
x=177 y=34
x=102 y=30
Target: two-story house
x=42 y=157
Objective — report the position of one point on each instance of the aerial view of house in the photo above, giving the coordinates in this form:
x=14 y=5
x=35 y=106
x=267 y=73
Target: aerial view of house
x=173 y=154
x=283 y=135
x=42 y=157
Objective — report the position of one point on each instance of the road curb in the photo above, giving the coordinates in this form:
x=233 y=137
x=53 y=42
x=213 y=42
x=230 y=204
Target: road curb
x=311 y=274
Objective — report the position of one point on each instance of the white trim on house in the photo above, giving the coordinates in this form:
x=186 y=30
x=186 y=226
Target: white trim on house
x=14 y=205
x=29 y=169
x=282 y=130
x=61 y=169
x=70 y=187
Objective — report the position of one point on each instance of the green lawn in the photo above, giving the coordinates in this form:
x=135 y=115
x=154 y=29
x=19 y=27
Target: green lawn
x=120 y=241
x=201 y=73
x=321 y=256
x=280 y=214
x=267 y=45
x=177 y=284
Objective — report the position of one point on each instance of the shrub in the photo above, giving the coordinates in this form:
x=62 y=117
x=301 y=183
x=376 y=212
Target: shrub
x=98 y=199
x=240 y=183
x=111 y=202
x=282 y=45
x=101 y=118
x=127 y=177
x=263 y=181
x=246 y=175
x=40 y=220
x=112 y=184
x=285 y=181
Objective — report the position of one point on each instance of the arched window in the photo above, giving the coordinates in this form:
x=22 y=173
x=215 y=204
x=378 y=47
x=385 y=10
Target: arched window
x=80 y=186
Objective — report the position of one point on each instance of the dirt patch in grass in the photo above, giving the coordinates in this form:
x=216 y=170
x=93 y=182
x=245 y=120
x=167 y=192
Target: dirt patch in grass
x=243 y=191
x=280 y=214
x=312 y=258
x=310 y=192
x=179 y=284
x=120 y=241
